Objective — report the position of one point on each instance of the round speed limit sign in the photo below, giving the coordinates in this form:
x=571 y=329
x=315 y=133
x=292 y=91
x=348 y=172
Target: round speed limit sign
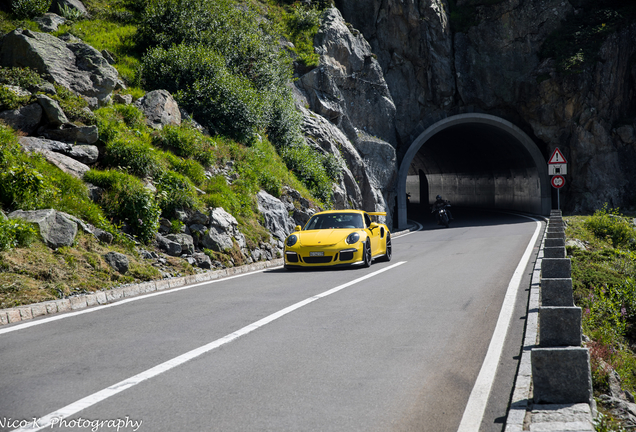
x=558 y=181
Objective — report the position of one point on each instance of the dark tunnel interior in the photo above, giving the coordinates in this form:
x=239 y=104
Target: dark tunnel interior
x=479 y=163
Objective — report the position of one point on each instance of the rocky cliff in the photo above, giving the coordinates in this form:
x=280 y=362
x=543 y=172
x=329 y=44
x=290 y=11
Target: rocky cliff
x=496 y=59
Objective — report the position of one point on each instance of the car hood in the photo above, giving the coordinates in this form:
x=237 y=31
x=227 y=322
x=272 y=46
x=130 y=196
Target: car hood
x=323 y=237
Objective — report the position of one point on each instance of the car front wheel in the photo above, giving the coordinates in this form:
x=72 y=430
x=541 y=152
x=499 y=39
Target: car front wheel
x=388 y=249
x=367 y=254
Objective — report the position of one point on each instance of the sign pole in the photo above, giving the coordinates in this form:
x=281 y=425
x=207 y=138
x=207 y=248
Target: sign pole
x=559 y=199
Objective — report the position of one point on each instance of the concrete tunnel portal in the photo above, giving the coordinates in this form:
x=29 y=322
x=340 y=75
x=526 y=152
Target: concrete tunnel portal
x=474 y=160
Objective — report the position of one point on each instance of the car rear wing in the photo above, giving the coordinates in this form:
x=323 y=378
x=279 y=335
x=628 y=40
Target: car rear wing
x=377 y=213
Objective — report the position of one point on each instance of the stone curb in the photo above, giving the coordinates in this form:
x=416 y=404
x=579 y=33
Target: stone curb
x=27 y=312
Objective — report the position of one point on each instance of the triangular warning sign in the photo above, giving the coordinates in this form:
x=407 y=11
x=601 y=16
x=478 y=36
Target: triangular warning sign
x=557 y=157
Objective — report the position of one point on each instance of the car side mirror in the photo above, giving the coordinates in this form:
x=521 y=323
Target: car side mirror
x=298 y=228
x=373 y=225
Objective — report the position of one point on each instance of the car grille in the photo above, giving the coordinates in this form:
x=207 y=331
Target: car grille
x=292 y=257
x=317 y=260
x=346 y=256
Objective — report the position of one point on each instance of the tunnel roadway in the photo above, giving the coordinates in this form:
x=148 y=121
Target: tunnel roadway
x=395 y=347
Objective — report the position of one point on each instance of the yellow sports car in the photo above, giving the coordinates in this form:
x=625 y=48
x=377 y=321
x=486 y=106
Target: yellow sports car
x=338 y=237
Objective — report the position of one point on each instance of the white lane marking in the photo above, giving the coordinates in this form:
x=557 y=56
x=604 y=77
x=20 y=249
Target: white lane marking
x=476 y=406
x=75 y=407
x=124 y=301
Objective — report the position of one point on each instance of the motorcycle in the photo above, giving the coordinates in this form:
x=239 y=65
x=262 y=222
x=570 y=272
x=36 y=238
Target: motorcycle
x=443 y=217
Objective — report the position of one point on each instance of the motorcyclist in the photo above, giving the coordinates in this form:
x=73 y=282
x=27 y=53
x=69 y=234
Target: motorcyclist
x=441 y=203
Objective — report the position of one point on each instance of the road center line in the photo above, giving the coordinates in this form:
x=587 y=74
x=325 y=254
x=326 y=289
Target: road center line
x=476 y=406
x=88 y=401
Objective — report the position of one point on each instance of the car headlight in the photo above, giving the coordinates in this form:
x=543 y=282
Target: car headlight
x=353 y=238
x=291 y=240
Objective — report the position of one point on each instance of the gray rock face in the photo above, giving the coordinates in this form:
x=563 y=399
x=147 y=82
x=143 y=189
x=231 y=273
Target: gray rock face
x=25 y=119
x=56 y=229
x=413 y=44
x=160 y=109
x=349 y=88
x=86 y=154
x=117 y=261
x=298 y=206
x=73 y=133
x=494 y=66
x=76 y=66
x=277 y=219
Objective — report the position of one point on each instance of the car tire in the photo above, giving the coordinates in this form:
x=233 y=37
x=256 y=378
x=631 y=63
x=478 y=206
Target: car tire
x=388 y=247
x=367 y=255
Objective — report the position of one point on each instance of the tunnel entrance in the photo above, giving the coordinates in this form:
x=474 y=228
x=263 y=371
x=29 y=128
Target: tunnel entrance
x=474 y=160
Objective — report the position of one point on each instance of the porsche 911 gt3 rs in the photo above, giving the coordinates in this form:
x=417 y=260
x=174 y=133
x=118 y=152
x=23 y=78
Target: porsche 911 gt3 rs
x=338 y=237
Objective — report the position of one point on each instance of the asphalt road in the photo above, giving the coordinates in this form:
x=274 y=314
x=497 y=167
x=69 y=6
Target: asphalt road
x=397 y=351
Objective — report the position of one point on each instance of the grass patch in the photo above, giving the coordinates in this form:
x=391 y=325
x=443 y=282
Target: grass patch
x=116 y=37
x=604 y=279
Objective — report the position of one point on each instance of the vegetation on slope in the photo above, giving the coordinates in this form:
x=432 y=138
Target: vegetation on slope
x=604 y=280
x=231 y=75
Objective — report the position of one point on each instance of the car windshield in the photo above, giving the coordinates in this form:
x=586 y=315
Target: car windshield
x=335 y=220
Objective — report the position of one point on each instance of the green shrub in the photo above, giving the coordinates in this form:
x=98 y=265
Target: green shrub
x=70 y=13
x=175 y=192
x=75 y=107
x=199 y=80
x=30 y=8
x=133 y=155
x=16 y=233
x=127 y=200
x=10 y=101
x=21 y=77
x=132 y=116
x=22 y=185
x=188 y=167
x=609 y=223
x=308 y=167
x=186 y=142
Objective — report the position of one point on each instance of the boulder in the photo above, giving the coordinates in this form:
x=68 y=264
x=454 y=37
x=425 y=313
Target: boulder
x=170 y=247
x=74 y=65
x=65 y=163
x=72 y=133
x=275 y=215
x=55 y=228
x=124 y=99
x=52 y=111
x=118 y=261
x=185 y=240
x=49 y=22
x=86 y=154
x=160 y=109
x=25 y=119
x=223 y=227
x=202 y=260
x=199 y=218
x=217 y=240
